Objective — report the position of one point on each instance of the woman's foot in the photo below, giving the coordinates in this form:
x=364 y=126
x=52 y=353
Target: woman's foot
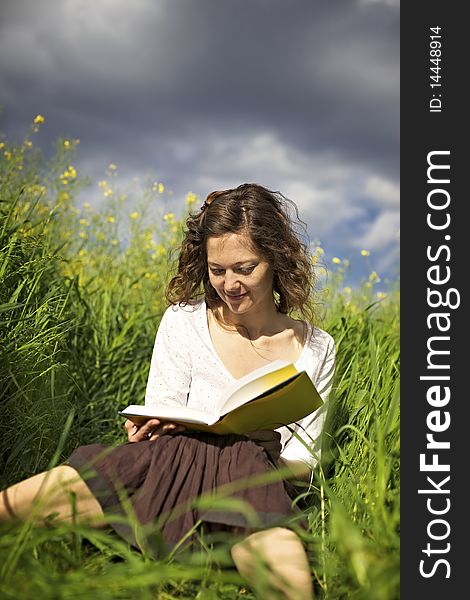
x=273 y=561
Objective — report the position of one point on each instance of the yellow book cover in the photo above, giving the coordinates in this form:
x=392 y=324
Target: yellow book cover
x=267 y=398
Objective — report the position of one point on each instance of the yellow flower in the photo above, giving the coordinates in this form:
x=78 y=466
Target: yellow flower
x=134 y=215
x=38 y=119
x=63 y=197
x=347 y=290
x=67 y=144
x=28 y=144
x=83 y=235
x=114 y=242
x=319 y=250
x=111 y=219
x=158 y=187
x=108 y=193
x=36 y=189
x=169 y=217
x=336 y=260
x=190 y=199
x=365 y=253
x=2 y=145
x=381 y=295
x=374 y=277
x=368 y=284
x=112 y=167
x=84 y=222
x=7 y=154
x=69 y=174
x=103 y=184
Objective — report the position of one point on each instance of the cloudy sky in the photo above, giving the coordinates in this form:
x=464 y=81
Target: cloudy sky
x=301 y=96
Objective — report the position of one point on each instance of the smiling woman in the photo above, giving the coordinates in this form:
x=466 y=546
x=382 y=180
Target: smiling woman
x=242 y=270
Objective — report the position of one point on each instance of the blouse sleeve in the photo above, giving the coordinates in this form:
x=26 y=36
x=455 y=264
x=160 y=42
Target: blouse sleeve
x=169 y=377
x=310 y=428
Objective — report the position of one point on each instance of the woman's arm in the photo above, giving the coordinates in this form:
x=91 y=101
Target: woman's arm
x=168 y=379
x=304 y=447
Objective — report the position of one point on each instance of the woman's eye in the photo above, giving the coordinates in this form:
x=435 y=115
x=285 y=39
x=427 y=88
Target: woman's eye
x=241 y=270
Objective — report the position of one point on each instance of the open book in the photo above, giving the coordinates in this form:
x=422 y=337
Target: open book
x=267 y=398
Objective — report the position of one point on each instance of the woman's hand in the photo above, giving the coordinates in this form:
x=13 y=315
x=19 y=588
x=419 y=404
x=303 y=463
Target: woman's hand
x=150 y=430
x=270 y=440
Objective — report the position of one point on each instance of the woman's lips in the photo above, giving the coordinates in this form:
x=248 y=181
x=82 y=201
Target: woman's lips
x=235 y=296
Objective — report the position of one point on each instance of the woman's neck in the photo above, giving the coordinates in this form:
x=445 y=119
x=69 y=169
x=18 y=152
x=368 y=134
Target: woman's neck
x=263 y=321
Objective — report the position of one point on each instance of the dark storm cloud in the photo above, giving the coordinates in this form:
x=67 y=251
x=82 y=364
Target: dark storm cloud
x=162 y=84
x=317 y=72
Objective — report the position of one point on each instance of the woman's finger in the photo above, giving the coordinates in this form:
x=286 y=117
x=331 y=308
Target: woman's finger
x=139 y=433
x=148 y=428
x=161 y=430
x=165 y=428
x=131 y=429
x=129 y=425
x=152 y=429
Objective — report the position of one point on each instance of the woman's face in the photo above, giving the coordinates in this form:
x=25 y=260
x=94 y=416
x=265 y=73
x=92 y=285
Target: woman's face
x=241 y=277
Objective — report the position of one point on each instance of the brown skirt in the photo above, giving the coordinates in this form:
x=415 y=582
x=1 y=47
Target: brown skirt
x=169 y=486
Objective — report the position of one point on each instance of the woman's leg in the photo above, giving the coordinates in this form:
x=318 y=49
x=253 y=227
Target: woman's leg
x=286 y=565
x=60 y=492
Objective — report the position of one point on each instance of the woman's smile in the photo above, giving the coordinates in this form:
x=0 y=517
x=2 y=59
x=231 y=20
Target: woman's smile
x=235 y=298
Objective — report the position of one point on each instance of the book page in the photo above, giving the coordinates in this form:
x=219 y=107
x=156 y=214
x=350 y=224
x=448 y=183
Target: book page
x=168 y=413
x=257 y=382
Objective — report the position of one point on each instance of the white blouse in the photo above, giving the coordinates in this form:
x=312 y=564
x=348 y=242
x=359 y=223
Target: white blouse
x=186 y=369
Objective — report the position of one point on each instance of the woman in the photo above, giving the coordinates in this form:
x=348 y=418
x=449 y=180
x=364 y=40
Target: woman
x=242 y=270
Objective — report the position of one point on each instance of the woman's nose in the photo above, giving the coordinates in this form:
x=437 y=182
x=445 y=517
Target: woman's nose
x=231 y=281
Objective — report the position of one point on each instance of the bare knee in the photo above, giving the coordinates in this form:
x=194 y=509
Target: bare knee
x=60 y=492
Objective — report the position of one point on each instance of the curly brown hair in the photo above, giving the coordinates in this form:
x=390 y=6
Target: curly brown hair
x=272 y=222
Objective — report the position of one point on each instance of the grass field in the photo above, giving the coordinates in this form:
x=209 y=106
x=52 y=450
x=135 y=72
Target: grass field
x=81 y=295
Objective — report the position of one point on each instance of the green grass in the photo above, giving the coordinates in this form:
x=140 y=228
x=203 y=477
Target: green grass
x=78 y=314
